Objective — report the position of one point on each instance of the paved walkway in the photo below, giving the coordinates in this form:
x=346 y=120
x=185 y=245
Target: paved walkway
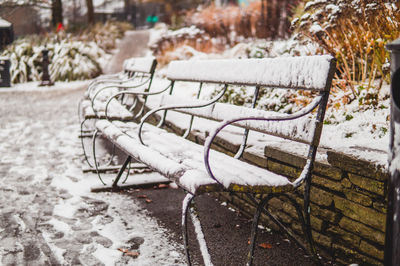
x=47 y=214
x=131 y=45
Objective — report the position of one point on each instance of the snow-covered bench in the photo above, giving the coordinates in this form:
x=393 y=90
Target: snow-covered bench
x=137 y=75
x=198 y=169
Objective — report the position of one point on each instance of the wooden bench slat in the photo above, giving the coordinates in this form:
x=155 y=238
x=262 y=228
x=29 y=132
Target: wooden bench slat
x=140 y=64
x=115 y=111
x=167 y=150
x=299 y=130
x=304 y=72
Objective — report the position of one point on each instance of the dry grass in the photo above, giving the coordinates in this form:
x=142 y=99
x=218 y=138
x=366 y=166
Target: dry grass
x=356 y=34
x=226 y=26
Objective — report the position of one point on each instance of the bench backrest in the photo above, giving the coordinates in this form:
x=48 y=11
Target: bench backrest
x=140 y=64
x=305 y=72
x=311 y=73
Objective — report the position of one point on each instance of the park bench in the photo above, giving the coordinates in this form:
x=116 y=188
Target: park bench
x=137 y=75
x=198 y=169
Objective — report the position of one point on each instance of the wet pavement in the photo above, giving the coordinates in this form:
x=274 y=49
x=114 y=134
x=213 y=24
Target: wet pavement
x=47 y=214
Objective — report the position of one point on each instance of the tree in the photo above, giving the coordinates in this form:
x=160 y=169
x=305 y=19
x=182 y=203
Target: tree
x=90 y=12
x=56 y=12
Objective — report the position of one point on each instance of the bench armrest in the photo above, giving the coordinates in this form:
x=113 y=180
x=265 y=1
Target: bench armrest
x=279 y=117
x=177 y=106
x=118 y=86
x=135 y=93
x=110 y=81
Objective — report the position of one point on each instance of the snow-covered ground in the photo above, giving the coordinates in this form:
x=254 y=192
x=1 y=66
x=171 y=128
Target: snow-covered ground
x=47 y=213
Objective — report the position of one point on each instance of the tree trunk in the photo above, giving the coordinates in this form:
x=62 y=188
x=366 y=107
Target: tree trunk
x=127 y=9
x=56 y=12
x=90 y=12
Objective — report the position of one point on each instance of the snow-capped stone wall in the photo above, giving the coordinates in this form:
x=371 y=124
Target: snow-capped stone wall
x=348 y=198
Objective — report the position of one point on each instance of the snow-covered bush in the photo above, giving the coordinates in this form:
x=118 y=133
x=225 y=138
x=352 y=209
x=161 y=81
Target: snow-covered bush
x=69 y=60
x=356 y=32
x=105 y=35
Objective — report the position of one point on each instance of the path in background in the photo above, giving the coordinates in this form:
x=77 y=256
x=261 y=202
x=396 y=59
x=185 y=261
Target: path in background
x=47 y=214
x=131 y=45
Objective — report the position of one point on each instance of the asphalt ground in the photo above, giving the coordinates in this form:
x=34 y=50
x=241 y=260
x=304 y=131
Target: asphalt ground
x=227 y=231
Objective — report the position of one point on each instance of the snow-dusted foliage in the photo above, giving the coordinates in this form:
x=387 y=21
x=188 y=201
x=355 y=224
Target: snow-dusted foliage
x=356 y=32
x=105 y=35
x=72 y=56
x=69 y=60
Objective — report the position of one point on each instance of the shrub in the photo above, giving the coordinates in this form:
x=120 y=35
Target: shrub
x=72 y=56
x=105 y=35
x=356 y=33
x=257 y=20
x=69 y=60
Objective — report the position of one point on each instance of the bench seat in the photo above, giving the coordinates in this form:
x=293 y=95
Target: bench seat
x=182 y=161
x=115 y=111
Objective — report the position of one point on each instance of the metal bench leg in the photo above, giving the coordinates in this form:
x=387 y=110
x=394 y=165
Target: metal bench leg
x=83 y=145
x=189 y=206
x=306 y=227
x=94 y=156
x=254 y=229
x=121 y=171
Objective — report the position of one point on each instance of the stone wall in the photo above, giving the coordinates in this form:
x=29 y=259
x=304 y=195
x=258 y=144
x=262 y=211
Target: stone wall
x=348 y=198
x=348 y=204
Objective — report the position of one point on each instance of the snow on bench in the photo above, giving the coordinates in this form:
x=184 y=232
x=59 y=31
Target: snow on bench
x=198 y=169
x=304 y=72
x=100 y=100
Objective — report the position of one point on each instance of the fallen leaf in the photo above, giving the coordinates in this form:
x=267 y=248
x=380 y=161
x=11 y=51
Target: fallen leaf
x=133 y=254
x=149 y=200
x=163 y=186
x=142 y=196
x=265 y=245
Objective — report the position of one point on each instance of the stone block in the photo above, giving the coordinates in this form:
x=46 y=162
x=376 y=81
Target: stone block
x=376 y=252
x=284 y=156
x=298 y=161
x=283 y=217
x=327 y=183
x=324 y=214
x=316 y=223
x=276 y=204
x=379 y=206
x=360 y=213
x=348 y=237
x=321 y=239
x=283 y=169
x=362 y=230
x=346 y=256
x=358 y=197
x=356 y=165
x=346 y=183
x=321 y=197
x=374 y=186
x=256 y=159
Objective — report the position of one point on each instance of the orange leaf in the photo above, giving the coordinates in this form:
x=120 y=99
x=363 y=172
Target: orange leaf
x=149 y=200
x=133 y=254
x=163 y=186
x=265 y=245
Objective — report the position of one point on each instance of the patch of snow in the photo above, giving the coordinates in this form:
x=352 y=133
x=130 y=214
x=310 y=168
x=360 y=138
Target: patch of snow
x=34 y=86
x=301 y=72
